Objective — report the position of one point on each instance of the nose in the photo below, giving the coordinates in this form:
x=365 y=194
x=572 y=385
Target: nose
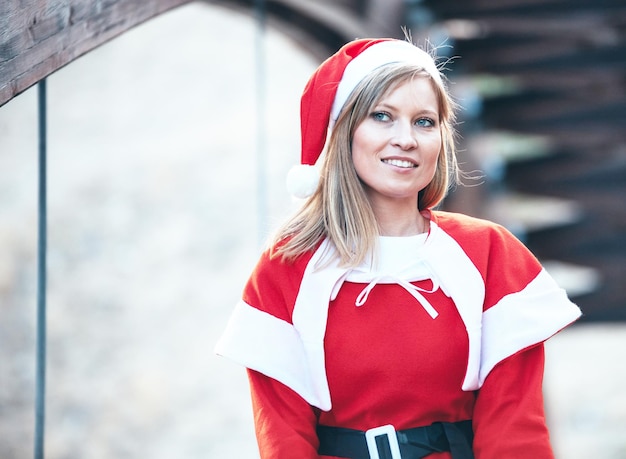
x=404 y=136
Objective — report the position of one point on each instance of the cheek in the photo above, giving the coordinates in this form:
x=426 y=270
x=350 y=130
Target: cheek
x=434 y=148
x=358 y=160
x=359 y=140
x=434 y=157
x=438 y=143
x=359 y=148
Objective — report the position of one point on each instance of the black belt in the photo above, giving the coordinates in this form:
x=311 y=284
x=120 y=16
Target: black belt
x=387 y=443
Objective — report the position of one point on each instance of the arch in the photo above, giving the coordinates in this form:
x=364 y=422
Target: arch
x=38 y=40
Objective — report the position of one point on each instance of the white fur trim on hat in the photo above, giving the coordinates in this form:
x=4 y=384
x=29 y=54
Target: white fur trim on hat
x=302 y=180
x=386 y=52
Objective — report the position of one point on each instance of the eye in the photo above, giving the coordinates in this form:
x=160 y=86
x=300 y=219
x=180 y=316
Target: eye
x=425 y=122
x=380 y=116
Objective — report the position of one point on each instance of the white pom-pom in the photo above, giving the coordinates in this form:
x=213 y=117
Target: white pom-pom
x=302 y=180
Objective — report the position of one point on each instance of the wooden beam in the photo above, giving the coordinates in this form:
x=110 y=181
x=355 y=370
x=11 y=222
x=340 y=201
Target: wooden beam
x=38 y=40
x=41 y=36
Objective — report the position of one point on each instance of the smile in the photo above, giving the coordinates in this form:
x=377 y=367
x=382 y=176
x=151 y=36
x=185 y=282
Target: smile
x=399 y=163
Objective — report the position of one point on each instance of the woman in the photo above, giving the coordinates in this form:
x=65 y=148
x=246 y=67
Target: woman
x=374 y=325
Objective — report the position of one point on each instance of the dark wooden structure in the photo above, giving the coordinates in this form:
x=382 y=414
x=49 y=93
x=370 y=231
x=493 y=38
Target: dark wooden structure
x=46 y=35
x=566 y=61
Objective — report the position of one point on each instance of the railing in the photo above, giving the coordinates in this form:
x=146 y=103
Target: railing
x=40 y=384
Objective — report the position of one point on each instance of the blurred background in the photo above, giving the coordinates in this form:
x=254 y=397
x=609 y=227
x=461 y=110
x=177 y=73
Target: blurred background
x=167 y=152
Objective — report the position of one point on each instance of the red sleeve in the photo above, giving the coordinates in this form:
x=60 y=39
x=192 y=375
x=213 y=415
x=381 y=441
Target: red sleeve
x=509 y=419
x=284 y=422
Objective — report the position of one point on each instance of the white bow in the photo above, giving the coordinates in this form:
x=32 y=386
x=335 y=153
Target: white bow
x=412 y=289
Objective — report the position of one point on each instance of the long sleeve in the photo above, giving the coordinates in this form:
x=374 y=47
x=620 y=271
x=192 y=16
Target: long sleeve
x=509 y=420
x=284 y=422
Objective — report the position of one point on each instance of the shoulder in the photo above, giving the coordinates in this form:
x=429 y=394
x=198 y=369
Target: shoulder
x=504 y=262
x=467 y=228
x=274 y=259
x=275 y=281
x=486 y=243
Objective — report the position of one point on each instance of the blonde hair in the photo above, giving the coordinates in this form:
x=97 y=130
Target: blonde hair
x=339 y=208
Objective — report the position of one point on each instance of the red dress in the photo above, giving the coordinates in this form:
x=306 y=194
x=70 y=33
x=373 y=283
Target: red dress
x=407 y=341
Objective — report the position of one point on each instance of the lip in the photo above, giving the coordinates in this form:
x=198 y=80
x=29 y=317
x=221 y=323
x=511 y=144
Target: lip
x=399 y=159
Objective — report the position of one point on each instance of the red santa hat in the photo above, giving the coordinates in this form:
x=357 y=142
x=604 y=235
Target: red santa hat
x=328 y=90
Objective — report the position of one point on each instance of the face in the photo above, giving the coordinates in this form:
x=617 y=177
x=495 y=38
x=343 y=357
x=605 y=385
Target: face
x=395 y=148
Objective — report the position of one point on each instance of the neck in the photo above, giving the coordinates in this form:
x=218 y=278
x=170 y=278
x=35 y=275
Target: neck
x=400 y=220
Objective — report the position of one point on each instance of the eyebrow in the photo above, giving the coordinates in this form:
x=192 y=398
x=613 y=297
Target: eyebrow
x=425 y=111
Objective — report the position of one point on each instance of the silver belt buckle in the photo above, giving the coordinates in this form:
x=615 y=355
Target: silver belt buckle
x=390 y=432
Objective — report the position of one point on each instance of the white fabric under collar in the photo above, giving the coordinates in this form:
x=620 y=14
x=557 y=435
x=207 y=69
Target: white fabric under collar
x=398 y=261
